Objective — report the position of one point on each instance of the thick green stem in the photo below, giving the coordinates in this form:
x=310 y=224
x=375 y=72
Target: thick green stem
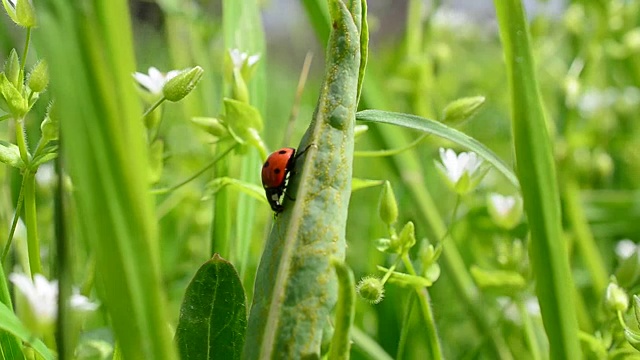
x=427 y=313
x=31 y=222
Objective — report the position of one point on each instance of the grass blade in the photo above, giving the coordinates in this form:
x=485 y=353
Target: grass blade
x=91 y=58
x=9 y=322
x=443 y=131
x=537 y=175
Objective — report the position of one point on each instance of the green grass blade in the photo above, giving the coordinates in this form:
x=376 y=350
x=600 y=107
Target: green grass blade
x=537 y=175
x=10 y=348
x=295 y=288
x=213 y=316
x=91 y=61
x=9 y=322
x=441 y=130
x=345 y=312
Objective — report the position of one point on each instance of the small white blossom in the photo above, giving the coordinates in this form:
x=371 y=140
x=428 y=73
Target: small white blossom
x=532 y=305
x=625 y=248
x=154 y=81
x=457 y=165
x=502 y=204
x=239 y=58
x=46 y=175
x=42 y=296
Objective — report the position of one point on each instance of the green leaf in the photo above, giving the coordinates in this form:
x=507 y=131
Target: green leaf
x=537 y=175
x=10 y=348
x=345 y=311
x=443 y=131
x=252 y=190
x=10 y=155
x=91 y=60
x=295 y=288
x=359 y=184
x=10 y=323
x=213 y=316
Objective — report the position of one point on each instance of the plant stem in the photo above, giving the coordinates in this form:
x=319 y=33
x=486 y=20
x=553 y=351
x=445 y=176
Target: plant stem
x=404 y=332
x=27 y=40
x=31 y=222
x=21 y=139
x=530 y=335
x=14 y=223
x=153 y=107
x=427 y=313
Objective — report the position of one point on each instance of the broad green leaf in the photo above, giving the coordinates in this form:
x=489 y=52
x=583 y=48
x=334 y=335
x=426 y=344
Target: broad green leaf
x=10 y=155
x=213 y=316
x=443 y=131
x=9 y=322
x=537 y=175
x=295 y=288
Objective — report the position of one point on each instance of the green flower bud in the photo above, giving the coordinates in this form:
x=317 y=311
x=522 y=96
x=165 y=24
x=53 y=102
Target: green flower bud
x=371 y=289
x=39 y=77
x=211 y=125
x=407 y=237
x=387 y=205
x=239 y=88
x=12 y=69
x=616 y=298
x=25 y=14
x=12 y=99
x=461 y=110
x=49 y=126
x=182 y=84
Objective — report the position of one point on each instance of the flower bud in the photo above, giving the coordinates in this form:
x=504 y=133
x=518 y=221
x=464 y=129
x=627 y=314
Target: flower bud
x=360 y=130
x=12 y=99
x=211 y=125
x=25 y=14
x=461 y=110
x=182 y=84
x=387 y=205
x=616 y=298
x=39 y=77
x=407 y=237
x=371 y=289
x=12 y=68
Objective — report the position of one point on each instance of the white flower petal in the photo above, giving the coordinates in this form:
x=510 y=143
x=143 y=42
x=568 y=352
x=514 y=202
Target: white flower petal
x=502 y=204
x=253 y=59
x=625 y=248
x=82 y=303
x=41 y=294
x=154 y=81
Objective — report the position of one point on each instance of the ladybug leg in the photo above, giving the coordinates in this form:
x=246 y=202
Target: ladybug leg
x=305 y=150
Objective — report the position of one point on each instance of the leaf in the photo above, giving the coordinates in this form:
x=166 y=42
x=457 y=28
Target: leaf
x=10 y=322
x=10 y=348
x=252 y=190
x=443 y=131
x=296 y=288
x=536 y=171
x=10 y=155
x=359 y=184
x=345 y=311
x=213 y=316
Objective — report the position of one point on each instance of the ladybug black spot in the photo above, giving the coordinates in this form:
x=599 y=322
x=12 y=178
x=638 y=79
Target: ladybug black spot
x=282 y=152
x=266 y=165
x=276 y=171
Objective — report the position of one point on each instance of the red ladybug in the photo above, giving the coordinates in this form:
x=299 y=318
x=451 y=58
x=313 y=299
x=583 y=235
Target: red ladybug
x=274 y=175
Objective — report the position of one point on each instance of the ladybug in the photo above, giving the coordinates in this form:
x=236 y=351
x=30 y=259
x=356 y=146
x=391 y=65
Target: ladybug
x=274 y=175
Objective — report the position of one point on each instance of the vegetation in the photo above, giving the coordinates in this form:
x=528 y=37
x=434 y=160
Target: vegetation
x=463 y=187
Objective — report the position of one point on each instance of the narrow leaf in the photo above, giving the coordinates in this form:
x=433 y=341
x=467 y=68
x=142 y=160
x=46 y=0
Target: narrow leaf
x=443 y=131
x=213 y=316
x=10 y=323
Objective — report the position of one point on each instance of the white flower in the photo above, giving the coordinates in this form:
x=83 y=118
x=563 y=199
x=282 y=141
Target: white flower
x=502 y=204
x=155 y=80
x=42 y=296
x=625 y=248
x=46 y=175
x=239 y=58
x=458 y=165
